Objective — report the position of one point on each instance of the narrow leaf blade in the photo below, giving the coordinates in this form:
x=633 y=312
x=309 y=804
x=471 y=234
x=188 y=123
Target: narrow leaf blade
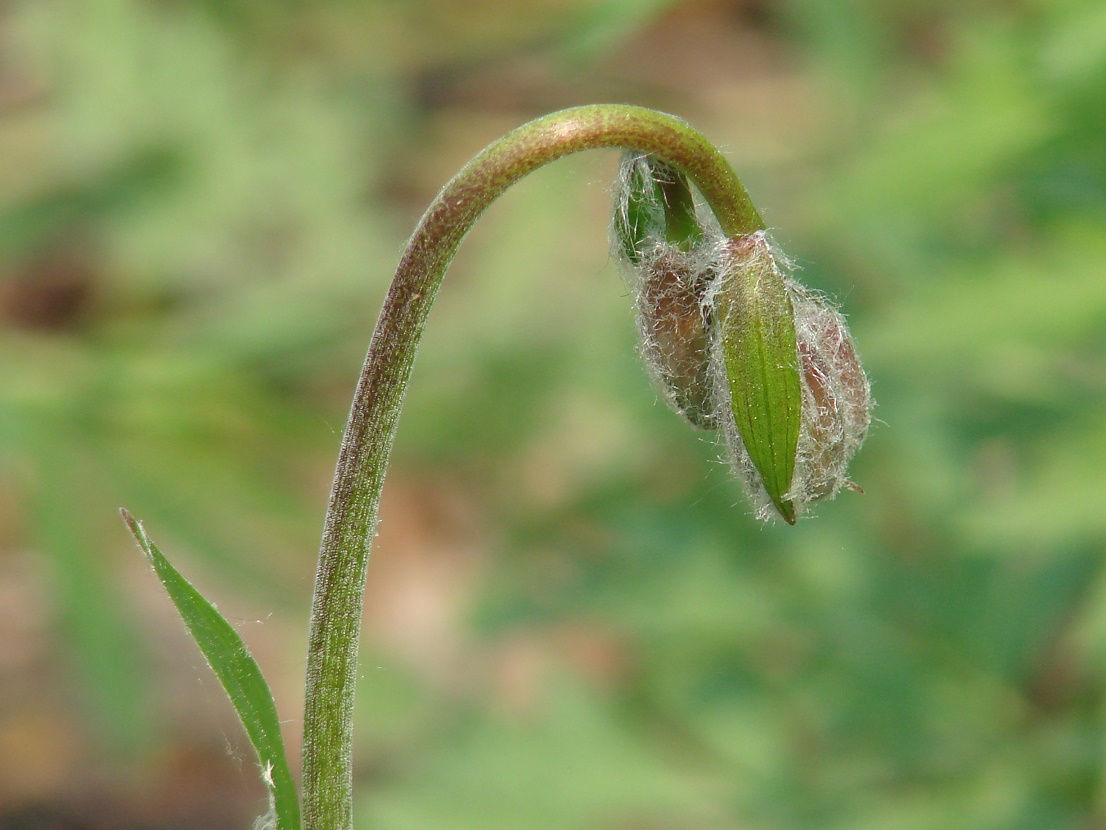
x=239 y=675
x=757 y=329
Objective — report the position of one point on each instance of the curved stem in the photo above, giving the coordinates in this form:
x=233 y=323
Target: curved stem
x=370 y=432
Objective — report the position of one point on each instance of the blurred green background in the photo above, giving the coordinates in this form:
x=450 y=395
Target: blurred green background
x=572 y=620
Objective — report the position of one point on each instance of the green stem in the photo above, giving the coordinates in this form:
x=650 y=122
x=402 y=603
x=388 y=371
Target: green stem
x=370 y=432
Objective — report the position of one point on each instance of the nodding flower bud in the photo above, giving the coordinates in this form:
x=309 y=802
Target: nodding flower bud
x=733 y=342
x=658 y=237
x=798 y=396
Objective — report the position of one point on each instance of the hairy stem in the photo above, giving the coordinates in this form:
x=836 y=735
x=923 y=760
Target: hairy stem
x=370 y=432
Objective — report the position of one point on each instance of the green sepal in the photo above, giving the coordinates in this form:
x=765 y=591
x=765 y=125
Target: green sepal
x=239 y=675
x=654 y=204
x=757 y=334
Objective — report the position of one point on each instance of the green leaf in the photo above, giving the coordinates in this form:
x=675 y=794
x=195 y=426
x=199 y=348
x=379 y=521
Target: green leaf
x=238 y=673
x=757 y=329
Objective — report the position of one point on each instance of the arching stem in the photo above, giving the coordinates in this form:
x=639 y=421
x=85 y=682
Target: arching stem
x=370 y=432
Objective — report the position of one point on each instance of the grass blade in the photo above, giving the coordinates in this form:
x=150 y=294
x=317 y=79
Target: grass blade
x=240 y=677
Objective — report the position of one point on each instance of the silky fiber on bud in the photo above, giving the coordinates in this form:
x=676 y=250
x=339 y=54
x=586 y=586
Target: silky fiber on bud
x=659 y=240
x=794 y=400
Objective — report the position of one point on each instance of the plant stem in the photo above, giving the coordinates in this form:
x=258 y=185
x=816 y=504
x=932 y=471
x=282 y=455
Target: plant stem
x=370 y=432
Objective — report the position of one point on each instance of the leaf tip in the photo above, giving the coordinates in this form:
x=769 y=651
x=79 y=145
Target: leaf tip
x=138 y=531
x=786 y=509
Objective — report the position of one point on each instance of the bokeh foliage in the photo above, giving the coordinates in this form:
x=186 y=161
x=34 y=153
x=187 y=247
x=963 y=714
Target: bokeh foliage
x=200 y=206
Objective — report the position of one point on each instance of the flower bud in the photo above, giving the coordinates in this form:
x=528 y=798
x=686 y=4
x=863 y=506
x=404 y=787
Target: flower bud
x=675 y=336
x=798 y=399
x=732 y=341
x=658 y=237
x=836 y=399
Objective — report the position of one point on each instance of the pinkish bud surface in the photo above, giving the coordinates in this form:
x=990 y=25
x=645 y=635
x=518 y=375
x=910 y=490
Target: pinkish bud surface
x=675 y=340
x=836 y=398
